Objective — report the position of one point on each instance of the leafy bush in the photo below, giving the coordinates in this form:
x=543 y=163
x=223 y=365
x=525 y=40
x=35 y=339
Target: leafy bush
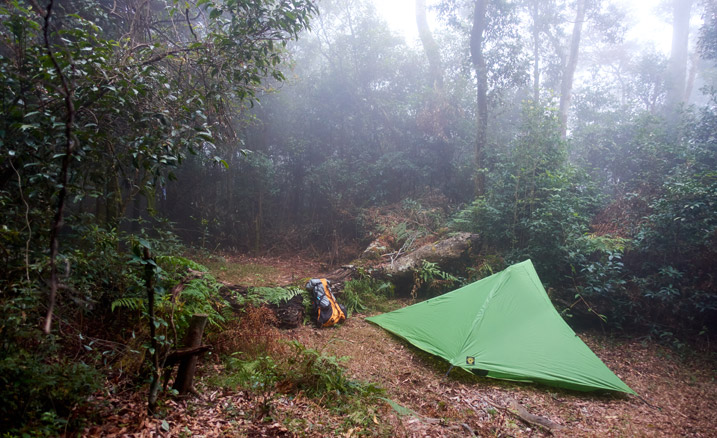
x=674 y=253
x=318 y=375
x=37 y=382
x=177 y=297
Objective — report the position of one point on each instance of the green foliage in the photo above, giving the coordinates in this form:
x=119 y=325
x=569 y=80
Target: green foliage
x=131 y=303
x=272 y=295
x=306 y=371
x=675 y=249
x=430 y=279
x=38 y=394
x=366 y=294
x=352 y=300
x=537 y=206
x=259 y=375
x=318 y=375
x=174 y=311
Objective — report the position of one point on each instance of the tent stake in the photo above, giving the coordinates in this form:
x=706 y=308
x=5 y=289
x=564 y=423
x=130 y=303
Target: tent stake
x=449 y=370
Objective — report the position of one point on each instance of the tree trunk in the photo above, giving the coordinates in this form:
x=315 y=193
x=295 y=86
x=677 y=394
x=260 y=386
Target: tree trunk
x=68 y=93
x=429 y=46
x=677 y=66
x=535 y=11
x=479 y=26
x=694 y=59
x=188 y=365
x=566 y=87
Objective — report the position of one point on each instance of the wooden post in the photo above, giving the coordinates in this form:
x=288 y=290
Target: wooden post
x=188 y=365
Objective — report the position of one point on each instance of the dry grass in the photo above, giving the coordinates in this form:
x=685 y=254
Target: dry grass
x=255 y=333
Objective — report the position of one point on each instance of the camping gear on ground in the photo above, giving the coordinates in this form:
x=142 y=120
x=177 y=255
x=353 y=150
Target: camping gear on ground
x=503 y=326
x=328 y=312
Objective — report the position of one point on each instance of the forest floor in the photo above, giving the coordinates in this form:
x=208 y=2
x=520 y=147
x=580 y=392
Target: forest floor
x=678 y=395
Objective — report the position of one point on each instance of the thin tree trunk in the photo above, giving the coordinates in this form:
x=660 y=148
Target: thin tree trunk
x=566 y=87
x=536 y=52
x=258 y=221
x=479 y=25
x=58 y=219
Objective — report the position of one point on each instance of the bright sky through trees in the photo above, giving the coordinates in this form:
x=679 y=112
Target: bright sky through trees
x=648 y=27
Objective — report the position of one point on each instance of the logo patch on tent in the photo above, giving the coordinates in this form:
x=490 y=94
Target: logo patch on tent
x=470 y=360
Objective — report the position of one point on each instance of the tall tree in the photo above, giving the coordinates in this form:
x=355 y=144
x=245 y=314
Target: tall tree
x=480 y=20
x=535 y=30
x=429 y=45
x=677 y=66
x=708 y=32
x=566 y=86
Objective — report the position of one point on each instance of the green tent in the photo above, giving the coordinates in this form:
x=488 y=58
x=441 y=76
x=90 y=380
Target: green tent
x=503 y=326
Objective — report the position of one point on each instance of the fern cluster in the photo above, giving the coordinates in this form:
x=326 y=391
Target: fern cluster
x=272 y=295
x=366 y=294
x=200 y=295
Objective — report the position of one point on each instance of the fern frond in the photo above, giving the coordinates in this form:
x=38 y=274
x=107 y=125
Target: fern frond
x=273 y=295
x=131 y=303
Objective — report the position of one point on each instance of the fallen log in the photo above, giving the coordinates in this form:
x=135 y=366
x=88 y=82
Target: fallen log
x=516 y=409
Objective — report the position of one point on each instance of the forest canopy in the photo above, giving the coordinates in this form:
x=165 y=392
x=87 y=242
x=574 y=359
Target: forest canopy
x=140 y=134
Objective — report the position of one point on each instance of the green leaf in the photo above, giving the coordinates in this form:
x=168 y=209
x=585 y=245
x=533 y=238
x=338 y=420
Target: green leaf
x=223 y=162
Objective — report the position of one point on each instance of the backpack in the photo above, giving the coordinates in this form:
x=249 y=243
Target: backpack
x=328 y=311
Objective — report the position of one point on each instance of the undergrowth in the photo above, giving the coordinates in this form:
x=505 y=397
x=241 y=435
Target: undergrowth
x=267 y=369
x=367 y=295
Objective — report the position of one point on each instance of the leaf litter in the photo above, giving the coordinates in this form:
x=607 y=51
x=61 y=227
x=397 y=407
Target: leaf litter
x=678 y=397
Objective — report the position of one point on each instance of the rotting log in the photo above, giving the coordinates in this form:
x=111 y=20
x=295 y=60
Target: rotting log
x=188 y=365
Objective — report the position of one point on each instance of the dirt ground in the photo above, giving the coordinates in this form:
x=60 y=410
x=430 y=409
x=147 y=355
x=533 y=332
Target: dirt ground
x=678 y=396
